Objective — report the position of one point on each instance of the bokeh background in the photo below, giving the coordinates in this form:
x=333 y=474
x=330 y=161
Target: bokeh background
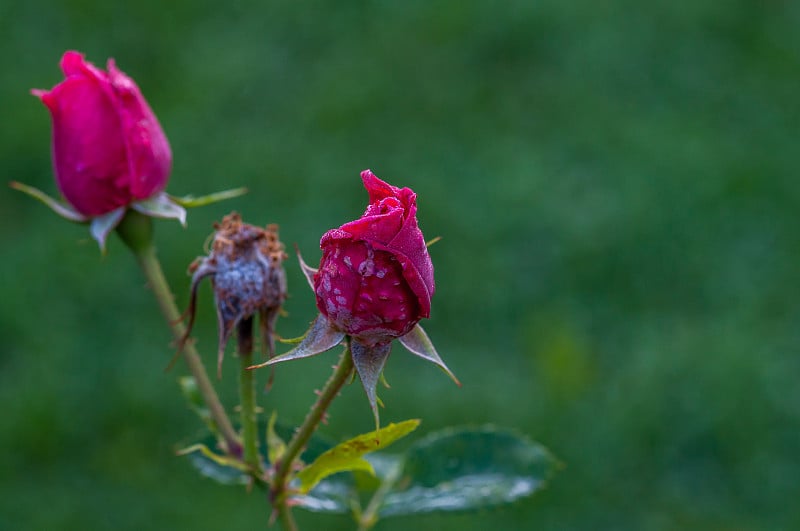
x=615 y=184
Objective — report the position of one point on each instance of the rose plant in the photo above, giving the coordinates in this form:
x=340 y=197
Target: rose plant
x=374 y=285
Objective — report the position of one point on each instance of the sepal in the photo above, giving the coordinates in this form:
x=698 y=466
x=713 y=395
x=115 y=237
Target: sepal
x=161 y=206
x=190 y=201
x=64 y=210
x=418 y=343
x=321 y=336
x=369 y=363
x=307 y=270
x=101 y=226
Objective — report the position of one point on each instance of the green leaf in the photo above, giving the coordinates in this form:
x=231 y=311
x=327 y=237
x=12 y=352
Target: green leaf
x=451 y=470
x=218 y=467
x=339 y=493
x=229 y=471
x=192 y=395
x=349 y=454
x=468 y=469
x=334 y=495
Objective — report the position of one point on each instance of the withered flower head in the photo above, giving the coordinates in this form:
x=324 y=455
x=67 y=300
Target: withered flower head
x=246 y=269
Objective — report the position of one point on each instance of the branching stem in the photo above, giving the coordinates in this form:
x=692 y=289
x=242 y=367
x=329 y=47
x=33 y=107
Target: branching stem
x=136 y=231
x=341 y=374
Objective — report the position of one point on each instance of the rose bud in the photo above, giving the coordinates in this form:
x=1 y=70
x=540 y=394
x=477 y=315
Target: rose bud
x=374 y=284
x=246 y=270
x=375 y=279
x=108 y=147
x=109 y=152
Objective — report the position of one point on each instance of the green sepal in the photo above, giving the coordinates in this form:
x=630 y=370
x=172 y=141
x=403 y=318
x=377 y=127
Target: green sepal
x=64 y=210
x=433 y=240
x=291 y=340
x=418 y=343
x=101 y=226
x=190 y=201
x=369 y=363
x=321 y=336
x=307 y=270
x=161 y=206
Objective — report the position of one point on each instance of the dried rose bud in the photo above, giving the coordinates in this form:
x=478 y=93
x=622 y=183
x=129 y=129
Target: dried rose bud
x=246 y=269
x=108 y=147
x=375 y=280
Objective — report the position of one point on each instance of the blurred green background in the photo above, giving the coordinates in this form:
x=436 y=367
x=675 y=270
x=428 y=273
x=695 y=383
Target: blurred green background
x=616 y=188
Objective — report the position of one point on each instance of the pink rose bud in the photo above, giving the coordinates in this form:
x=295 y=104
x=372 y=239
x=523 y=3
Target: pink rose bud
x=375 y=280
x=108 y=147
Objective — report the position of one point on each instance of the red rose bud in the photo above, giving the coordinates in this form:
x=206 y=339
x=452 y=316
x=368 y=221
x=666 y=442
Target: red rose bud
x=108 y=147
x=374 y=283
x=375 y=279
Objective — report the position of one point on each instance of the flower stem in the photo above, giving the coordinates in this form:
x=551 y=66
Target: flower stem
x=369 y=517
x=136 y=231
x=340 y=376
x=286 y=518
x=247 y=397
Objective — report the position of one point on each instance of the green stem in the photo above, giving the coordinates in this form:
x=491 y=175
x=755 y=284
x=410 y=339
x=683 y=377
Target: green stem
x=286 y=518
x=247 y=397
x=340 y=376
x=369 y=517
x=136 y=231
